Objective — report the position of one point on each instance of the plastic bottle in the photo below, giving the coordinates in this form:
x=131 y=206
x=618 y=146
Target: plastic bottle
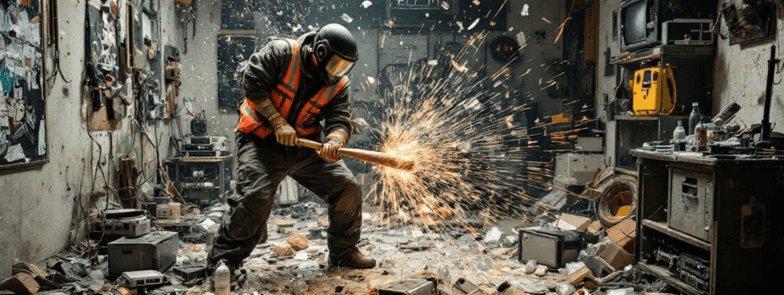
x=679 y=137
x=222 y=280
x=694 y=118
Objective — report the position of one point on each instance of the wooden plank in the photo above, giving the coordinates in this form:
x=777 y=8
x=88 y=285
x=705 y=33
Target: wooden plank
x=662 y=227
x=591 y=32
x=668 y=278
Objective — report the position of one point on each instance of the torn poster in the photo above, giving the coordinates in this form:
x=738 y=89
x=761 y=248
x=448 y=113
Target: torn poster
x=22 y=126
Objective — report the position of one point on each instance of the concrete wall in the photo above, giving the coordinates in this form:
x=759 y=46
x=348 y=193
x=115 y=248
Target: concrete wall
x=40 y=214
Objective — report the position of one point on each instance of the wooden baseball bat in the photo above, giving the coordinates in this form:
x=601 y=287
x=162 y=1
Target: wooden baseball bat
x=378 y=158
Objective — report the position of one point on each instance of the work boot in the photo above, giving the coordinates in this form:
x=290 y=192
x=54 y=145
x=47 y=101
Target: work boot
x=352 y=258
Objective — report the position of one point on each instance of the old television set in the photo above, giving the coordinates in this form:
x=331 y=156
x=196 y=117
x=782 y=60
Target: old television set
x=641 y=20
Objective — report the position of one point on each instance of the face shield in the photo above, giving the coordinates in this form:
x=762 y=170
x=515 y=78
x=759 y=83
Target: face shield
x=338 y=67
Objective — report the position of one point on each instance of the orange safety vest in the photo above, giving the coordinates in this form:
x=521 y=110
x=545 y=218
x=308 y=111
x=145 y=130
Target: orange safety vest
x=306 y=123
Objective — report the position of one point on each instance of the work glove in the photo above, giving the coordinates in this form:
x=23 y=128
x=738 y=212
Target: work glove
x=284 y=133
x=330 y=149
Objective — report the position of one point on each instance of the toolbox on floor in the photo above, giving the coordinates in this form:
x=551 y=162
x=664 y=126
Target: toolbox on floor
x=156 y=250
x=548 y=246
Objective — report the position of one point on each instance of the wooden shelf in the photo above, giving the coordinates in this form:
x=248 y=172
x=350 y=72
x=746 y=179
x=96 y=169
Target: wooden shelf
x=663 y=228
x=671 y=280
x=664 y=51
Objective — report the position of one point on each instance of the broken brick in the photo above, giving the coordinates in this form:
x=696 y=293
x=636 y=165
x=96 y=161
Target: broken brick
x=298 y=242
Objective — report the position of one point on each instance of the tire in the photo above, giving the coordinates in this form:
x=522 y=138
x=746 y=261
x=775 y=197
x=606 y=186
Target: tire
x=615 y=193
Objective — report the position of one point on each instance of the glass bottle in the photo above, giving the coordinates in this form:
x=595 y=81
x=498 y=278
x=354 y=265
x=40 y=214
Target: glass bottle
x=222 y=280
x=679 y=137
x=694 y=118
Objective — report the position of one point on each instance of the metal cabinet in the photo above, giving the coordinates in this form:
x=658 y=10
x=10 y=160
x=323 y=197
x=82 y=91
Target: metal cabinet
x=708 y=224
x=691 y=207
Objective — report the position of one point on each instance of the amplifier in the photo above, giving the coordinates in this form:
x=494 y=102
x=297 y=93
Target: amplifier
x=156 y=250
x=201 y=180
x=693 y=281
x=127 y=227
x=694 y=265
x=549 y=246
x=205 y=146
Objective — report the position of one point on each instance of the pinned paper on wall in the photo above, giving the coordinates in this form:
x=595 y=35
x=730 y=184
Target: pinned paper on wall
x=22 y=126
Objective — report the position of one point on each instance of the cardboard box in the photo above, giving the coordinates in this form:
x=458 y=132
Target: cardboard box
x=578 y=276
x=623 y=233
x=572 y=222
x=595 y=228
x=616 y=256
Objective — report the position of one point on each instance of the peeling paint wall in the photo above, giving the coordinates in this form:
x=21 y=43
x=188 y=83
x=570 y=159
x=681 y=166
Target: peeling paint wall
x=41 y=204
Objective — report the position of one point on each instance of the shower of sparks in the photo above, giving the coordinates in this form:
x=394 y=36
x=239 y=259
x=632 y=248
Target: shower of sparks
x=470 y=151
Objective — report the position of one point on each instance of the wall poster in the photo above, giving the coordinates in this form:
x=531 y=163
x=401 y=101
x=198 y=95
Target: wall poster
x=22 y=105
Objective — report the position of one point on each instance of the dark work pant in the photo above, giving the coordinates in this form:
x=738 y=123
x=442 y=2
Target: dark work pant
x=262 y=165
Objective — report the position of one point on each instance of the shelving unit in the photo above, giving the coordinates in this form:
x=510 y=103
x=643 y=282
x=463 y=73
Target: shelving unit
x=736 y=196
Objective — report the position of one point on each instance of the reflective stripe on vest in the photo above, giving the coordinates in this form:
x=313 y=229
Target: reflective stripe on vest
x=282 y=99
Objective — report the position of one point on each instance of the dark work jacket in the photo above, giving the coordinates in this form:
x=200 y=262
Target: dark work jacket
x=266 y=68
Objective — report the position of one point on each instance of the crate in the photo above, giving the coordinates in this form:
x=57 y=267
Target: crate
x=156 y=251
x=130 y=227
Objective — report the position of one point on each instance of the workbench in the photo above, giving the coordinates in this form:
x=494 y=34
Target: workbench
x=719 y=209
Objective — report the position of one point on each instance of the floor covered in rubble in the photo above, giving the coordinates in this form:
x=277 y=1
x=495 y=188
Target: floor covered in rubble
x=294 y=260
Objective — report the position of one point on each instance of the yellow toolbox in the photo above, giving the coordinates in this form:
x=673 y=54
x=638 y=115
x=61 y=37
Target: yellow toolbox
x=654 y=91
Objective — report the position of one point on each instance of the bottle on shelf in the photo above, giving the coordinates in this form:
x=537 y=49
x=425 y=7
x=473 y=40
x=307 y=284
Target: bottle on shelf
x=679 y=137
x=694 y=118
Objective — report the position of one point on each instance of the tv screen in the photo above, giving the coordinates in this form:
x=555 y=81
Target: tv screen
x=634 y=23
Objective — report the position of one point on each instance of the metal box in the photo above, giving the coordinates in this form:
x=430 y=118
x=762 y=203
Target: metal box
x=202 y=180
x=408 y=287
x=682 y=31
x=548 y=246
x=653 y=91
x=141 y=278
x=156 y=250
x=127 y=227
x=691 y=204
x=577 y=169
x=593 y=144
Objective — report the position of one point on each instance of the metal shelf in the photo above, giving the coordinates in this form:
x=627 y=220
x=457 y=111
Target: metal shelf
x=663 y=228
x=671 y=280
x=663 y=51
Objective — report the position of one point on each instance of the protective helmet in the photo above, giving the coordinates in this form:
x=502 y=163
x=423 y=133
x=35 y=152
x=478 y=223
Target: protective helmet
x=336 y=52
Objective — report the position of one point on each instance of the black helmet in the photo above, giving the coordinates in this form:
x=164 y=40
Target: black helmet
x=336 y=52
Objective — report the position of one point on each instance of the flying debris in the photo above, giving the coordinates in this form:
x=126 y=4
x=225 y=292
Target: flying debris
x=473 y=24
x=546 y=20
x=525 y=10
x=346 y=18
x=366 y=4
x=521 y=38
x=427 y=14
x=476 y=2
x=459 y=25
x=371 y=80
x=432 y=62
x=445 y=5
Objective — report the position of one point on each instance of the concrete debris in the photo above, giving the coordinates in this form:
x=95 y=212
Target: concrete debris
x=530 y=266
x=298 y=242
x=624 y=291
x=572 y=222
x=283 y=250
x=541 y=270
x=510 y=240
x=566 y=289
x=493 y=236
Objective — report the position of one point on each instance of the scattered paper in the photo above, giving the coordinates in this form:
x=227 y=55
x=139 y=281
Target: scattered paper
x=476 y=21
x=346 y=18
x=366 y=4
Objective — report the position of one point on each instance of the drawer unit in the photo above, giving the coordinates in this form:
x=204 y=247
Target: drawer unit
x=156 y=251
x=691 y=205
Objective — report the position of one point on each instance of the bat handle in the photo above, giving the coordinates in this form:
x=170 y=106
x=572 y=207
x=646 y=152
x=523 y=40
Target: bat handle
x=309 y=143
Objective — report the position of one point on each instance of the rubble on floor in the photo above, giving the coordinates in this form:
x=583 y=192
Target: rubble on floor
x=294 y=259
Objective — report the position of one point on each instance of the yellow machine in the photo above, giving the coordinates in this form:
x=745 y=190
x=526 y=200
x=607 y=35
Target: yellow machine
x=654 y=91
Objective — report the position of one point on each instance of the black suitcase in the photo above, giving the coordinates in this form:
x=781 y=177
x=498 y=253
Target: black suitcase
x=548 y=246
